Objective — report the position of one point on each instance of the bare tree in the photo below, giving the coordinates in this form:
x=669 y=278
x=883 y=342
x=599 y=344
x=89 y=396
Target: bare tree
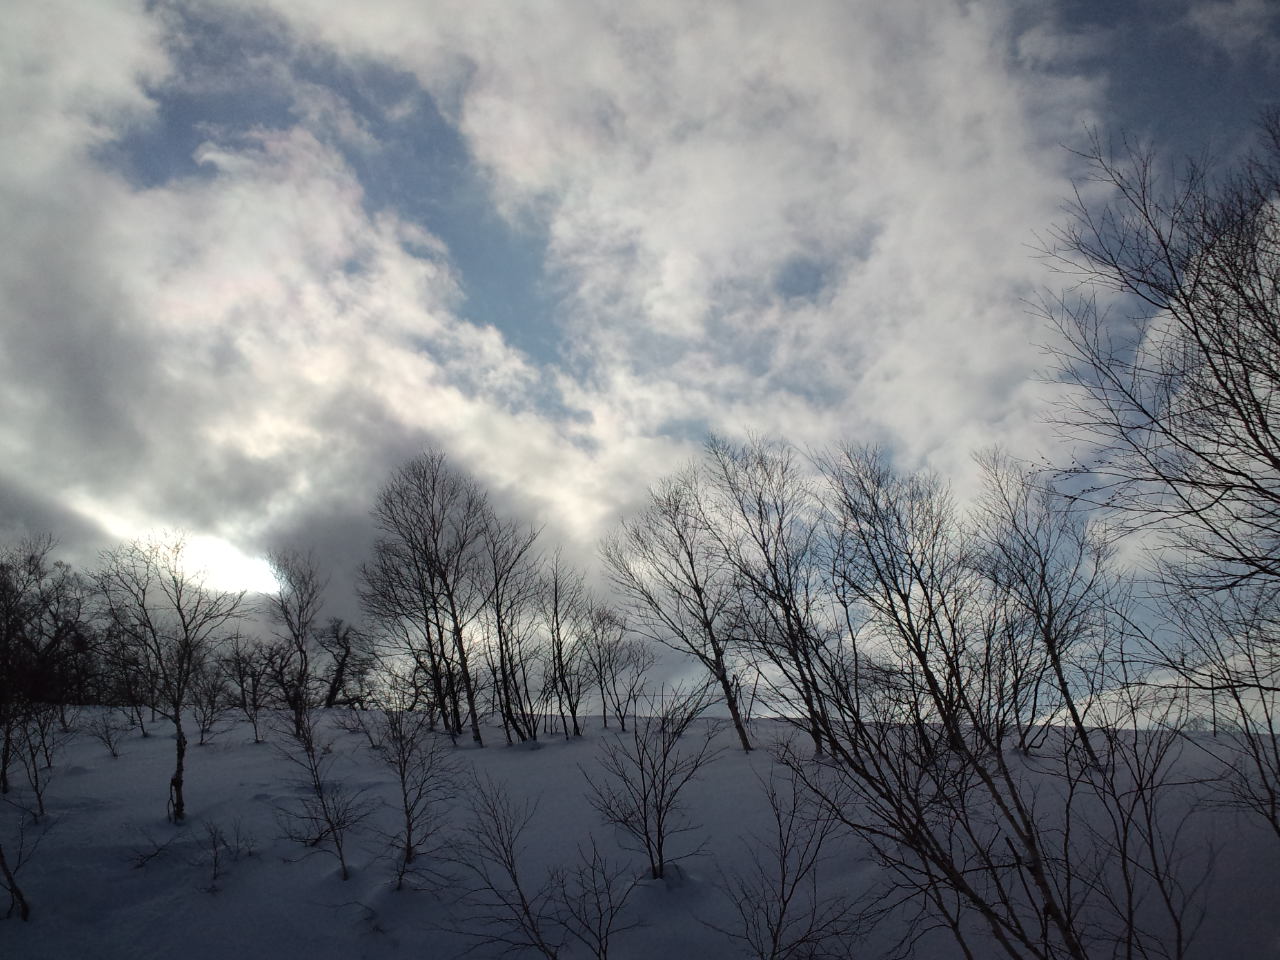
x=643 y=776
x=767 y=520
x=43 y=633
x=565 y=609
x=39 y=739
x=295 y=609
x=131 y=680
x=1045 y=856
x=1174 y=398
x=351 y=657
x=515 y=652
x=246 y=665
x=427 y=581
x=1226 y=660
x=1052 y=572
x=210 y=700
x=1176 y=401
x=399 y=598
x=679 y=585
x=173 y=621
x=15 y=853
x=620 y=662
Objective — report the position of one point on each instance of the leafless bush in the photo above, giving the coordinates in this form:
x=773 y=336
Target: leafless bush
x=590 y=897
x=210 y=701
x=214 y=844
x=511 y=914
x=141 y=857
x=644 y=774
x=780 y=913
x=218 y=849
x=39 y=739
x=331 y=809
x=108 y=726
x=507 y=911
x=245 y=666
x=16 y=851
x=358 y=723
x=426 y=774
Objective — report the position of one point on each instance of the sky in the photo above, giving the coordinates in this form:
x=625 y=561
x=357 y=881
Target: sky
x=257 y=254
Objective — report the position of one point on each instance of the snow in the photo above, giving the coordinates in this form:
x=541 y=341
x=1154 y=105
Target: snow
x=91 y=899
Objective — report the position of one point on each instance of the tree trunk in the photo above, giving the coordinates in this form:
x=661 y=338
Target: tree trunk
x=731 y=698
x=16 y=897
x=467 y=685
x=178 y=808
x=6 y=756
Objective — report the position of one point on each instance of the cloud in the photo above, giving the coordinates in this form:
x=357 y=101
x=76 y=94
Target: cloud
x=684 y=156
x=1238 y=28
x=813 y=225
x=231 y=351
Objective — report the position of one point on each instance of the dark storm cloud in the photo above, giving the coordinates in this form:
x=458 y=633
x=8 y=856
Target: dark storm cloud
x=25 y=513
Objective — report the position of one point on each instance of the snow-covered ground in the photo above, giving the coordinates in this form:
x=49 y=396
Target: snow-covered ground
x=112 y=878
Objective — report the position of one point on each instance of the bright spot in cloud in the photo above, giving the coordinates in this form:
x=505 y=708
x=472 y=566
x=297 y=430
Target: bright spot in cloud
x=226 y=567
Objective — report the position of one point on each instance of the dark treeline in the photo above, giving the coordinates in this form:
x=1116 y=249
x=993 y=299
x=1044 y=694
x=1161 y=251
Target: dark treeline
x=986 y=696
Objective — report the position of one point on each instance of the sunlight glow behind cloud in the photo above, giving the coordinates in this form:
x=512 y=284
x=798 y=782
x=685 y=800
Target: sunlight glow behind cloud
x=227 y=568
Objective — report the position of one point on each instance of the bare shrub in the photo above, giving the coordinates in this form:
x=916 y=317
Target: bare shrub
x=141 y=857
x=218 y=849
x=331 y=809
x=108 y=726
x=779 y=910
x=17 y=850
x=510 y=913
x=426 y=778
x=39 y=739
x=210 y=701
x=643 y=774
x=590 y=898
x=246 y=666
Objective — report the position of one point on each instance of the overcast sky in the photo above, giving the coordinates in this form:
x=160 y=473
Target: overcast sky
x=255 y=254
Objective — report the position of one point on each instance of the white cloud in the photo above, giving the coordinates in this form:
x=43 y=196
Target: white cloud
x=281 y=343
x=73 y=74
x=684 y=156
x=216 y=352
